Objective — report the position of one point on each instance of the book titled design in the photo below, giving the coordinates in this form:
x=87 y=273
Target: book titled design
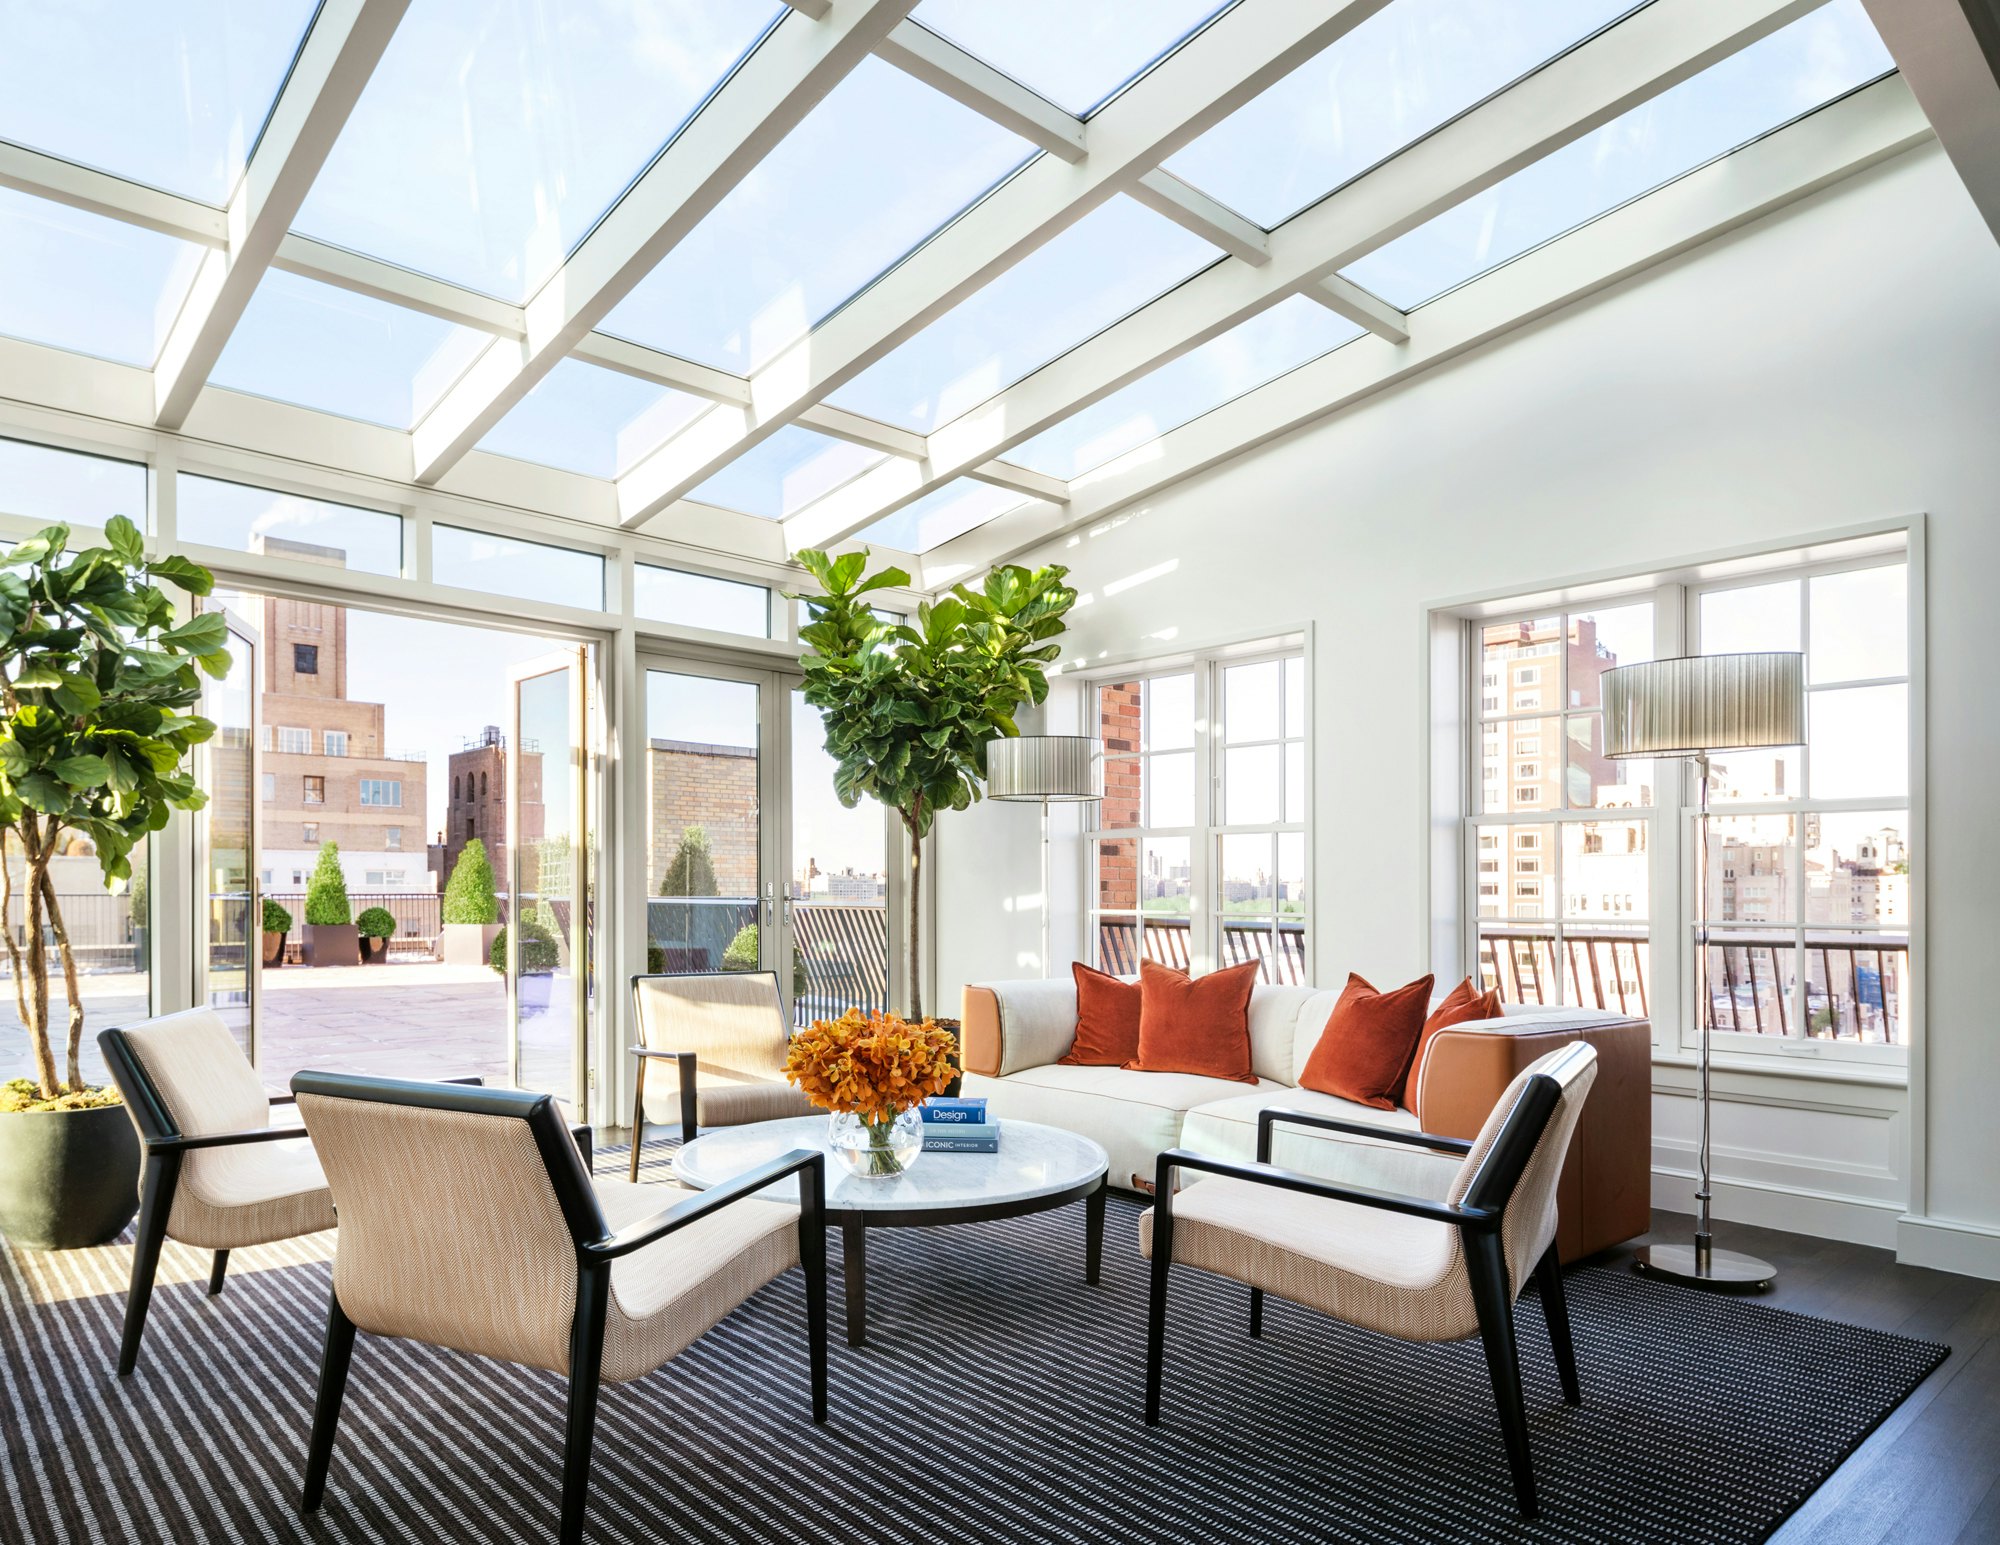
x=939 y=1111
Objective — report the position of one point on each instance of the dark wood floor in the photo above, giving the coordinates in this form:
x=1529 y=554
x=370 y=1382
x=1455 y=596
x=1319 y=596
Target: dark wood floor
x=1930 y=1475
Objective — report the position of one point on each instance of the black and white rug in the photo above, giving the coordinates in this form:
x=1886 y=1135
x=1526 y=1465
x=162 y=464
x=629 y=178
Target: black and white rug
x=998 y=1400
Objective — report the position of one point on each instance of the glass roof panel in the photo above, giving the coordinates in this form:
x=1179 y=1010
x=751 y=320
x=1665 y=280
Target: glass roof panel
x=786 y=472
x=320 y=347
x=944 y=513
x=587 y=419
x=495 y=132
x=171 y=95
x=1249 y=354
x=1800 y=67
x=1408 y=68
x=1074 y=55
x=785 y=248
x=1113 y=260
x=80 y=281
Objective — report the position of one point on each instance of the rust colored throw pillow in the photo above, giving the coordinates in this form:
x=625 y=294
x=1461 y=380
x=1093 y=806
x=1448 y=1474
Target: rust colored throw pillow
x=1188 y=1026
x=1107 y=1020
x=1464 y=1002
x=1364 y=1053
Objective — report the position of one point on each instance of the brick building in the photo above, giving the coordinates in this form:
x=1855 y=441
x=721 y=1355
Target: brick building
x=476 y=805
x=328 y=773
x=713 y=787
x=1119 y=718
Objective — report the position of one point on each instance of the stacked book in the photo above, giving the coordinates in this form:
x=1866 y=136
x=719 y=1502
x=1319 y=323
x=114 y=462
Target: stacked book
x=958 y=1126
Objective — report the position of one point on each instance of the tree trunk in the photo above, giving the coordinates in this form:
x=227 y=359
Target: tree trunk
x=916 y=925
x=38 y=969
x=71 y=989
x=38 y=1041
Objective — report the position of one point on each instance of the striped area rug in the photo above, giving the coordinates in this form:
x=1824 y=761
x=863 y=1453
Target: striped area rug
x=998 y=1401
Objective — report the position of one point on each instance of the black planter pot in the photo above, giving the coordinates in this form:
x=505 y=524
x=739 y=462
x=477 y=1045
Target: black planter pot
x=68 y=1178
x=373 y=951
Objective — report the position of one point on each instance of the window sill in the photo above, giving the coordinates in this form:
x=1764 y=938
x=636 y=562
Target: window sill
x=1832 y=1069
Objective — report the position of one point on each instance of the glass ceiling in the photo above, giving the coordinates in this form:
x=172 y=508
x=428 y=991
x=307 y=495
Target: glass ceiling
x=493 y=135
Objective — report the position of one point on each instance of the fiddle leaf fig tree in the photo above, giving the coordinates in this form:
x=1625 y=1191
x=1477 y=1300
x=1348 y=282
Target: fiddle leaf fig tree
x=909 y=708
x=98 y=687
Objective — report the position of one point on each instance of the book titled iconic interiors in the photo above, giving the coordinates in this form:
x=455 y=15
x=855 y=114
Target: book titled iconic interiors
x=962 y=1137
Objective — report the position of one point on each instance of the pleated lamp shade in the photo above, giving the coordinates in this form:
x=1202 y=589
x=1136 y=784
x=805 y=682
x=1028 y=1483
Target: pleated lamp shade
x=1051 y=767
x=1710 y=702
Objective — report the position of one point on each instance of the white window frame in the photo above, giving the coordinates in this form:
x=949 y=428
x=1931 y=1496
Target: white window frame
x=333 y=742
x=361 y=793
x=293 y=740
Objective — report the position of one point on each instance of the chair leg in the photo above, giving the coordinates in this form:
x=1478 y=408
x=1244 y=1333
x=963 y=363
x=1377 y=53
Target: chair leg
x=812 y=1258
x=1257 y=1312
x=638 y=1120
x=216 y=1270
x=586 y=1362
x=326 y=1411
x=1555 y=1309
x=1487 y=1266
x=690 y=1106
x=1156 y=1312
x=156 y=1202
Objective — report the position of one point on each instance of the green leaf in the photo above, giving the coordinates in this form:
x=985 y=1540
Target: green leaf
x=78 y=695
x=203 y=634
x=37 y=676
x=185 y=572
x=43 y=792
x=82 y=772
x=125 y=540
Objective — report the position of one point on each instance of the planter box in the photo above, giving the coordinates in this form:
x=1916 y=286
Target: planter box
x=68 y=1178
x=274 y=948
x=332 y=944
x=373 y=951
x=466 y=944
x=534 y=991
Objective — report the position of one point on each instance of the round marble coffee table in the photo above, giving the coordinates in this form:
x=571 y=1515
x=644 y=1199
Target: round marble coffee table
x=1037 y=1168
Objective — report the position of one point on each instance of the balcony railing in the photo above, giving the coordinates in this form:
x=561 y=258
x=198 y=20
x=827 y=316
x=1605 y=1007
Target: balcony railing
x=840 y=956
x=1280 y=953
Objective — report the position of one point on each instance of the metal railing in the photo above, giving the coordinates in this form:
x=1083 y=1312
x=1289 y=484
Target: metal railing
x=1280 y=952
x=840 y=954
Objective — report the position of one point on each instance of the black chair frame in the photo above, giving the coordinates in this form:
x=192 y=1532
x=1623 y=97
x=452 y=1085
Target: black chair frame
x=597 y=1246
x=1480 y=1219
x=687 y=1061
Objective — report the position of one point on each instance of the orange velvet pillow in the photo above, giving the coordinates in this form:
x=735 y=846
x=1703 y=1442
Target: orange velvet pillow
x=1107 y=1020
x=1365 y=1050
x=1195 y=1026
x=1464 y=1002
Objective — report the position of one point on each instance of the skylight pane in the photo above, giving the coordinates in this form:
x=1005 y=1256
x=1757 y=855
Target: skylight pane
x=505 y=565
x=786 y=472
x=170 y=95
x=956 y=508
x=43 y=483
x=494 y=133
x=262 y=520
x=1413 y=65
x=1112 y=261
x=587 y=419
x=1074 y=55
x=785 y=248
x=701 y=601
x=1803 y=66
x=322 y=347
x=1249 y=354
x=82 y=282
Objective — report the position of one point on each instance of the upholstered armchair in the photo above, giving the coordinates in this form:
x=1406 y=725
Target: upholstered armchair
x=722 y=1036
x=469 y=1220
x=217 y=1175
x=1441 y=1257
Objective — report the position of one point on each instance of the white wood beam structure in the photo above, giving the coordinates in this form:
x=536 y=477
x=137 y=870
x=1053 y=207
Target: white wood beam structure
x=1191 y=209
x=944 y=66
x=1655 y=48
x=340 y=52
x=100 y=193
x=1870 y=127
x=1949 y=52
x=789 y=73
x=1240 y=53
x=1345 y=298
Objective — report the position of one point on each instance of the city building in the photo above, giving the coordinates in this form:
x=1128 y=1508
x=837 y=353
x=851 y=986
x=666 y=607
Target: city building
x=476 y=803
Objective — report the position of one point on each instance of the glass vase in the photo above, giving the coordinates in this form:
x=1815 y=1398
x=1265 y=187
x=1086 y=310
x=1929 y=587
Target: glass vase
x=876 y=1150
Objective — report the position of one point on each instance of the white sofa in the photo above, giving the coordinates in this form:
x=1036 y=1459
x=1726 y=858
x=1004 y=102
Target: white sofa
x=1015 y=1034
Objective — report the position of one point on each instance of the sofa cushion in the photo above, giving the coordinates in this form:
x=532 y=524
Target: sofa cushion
x=1013 y=1025
x=1278 y=1016
x=1107 y=1019
x=1464 y=1002
x=1195 y=1026
x=1227 y=1129
x=1367 y=1045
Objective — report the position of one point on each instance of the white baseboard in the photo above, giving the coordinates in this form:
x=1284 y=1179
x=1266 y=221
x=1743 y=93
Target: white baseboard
x=1971 y=1249
x=1794 y=1209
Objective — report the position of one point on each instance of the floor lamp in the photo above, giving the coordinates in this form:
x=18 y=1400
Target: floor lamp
x=1688 y=707
x=1046 y=769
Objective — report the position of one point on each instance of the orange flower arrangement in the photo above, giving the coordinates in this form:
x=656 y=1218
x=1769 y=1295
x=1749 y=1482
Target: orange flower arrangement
x=873 y=1065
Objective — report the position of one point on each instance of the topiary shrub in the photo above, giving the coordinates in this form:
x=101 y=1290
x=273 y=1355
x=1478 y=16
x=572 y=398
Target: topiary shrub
x=327 y=905
x=538 y=948
x=377 y=923
x=468 y=894
x=691 y=872
x=276 y=918
x=742 y=954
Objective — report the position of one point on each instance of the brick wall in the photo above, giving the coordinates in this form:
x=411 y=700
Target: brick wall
x=1118 y=725
x=714 y=787
x=476 y=805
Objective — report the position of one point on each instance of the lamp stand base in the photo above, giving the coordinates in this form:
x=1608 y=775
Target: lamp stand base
x=1724 y=1271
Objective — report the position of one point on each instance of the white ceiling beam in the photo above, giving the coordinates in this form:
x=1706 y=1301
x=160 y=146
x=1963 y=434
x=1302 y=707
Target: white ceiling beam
x=339 y=54
x=814 y=9
x=769 y=94
x=99 y=193
x=1244 y=50
x=1191 y=209
x=439 y=298
x=858 y=429
x=1835 y=143
x=1949 y=52
x=1345 y=298
x=644 y=364
x=944 y=66
x=1653 y=49
x=1008 y=474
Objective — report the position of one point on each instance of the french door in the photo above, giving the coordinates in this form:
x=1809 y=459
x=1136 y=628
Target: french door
x=752 y=863
x=229 y=911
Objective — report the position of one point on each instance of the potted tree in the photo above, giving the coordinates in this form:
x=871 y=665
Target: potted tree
x=537 y=963
x=331 y=939
x=277 y=924
x=376 y=926
x=909 y=709
x=471 y=909
x=98 y=687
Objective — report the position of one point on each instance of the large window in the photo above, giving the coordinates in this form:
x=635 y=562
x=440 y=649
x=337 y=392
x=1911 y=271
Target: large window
x=1198 y=857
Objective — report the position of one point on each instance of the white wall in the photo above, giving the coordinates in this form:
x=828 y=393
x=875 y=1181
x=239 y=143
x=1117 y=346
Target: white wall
x=1835 y=364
